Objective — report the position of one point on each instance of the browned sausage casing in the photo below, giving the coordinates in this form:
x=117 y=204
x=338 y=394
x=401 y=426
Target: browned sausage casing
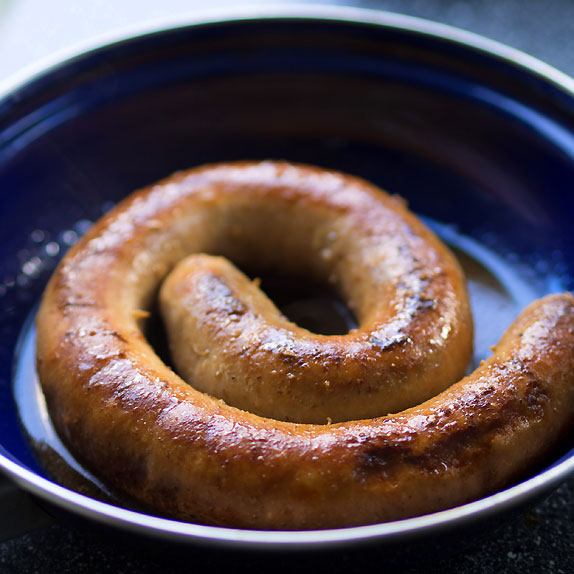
x=186 y=454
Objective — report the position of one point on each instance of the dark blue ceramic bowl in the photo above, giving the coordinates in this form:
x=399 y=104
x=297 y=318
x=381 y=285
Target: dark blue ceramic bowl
x=478 y=138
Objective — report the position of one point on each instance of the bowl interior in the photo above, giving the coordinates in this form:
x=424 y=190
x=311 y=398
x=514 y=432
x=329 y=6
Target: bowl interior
x=480 y=147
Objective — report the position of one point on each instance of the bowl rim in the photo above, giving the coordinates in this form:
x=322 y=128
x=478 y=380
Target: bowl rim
x=320 y=12
x=396 y=531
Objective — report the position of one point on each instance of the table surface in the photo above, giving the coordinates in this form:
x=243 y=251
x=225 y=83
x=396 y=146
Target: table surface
x=540 y=540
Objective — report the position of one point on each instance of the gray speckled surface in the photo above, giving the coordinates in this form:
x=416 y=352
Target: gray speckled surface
x=541 y=29
x=541 y=540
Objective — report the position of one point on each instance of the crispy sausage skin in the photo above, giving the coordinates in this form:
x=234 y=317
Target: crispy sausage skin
x=187 y=454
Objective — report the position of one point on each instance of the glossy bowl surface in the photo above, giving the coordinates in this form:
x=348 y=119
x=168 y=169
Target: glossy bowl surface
x=476 y=136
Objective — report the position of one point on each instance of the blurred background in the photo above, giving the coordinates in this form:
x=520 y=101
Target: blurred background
x=33 y=29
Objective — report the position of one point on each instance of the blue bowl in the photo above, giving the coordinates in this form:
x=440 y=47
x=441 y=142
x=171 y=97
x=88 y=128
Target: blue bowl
x=479 y=138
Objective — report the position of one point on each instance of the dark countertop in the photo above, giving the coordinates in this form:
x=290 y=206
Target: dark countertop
x=539 y=540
